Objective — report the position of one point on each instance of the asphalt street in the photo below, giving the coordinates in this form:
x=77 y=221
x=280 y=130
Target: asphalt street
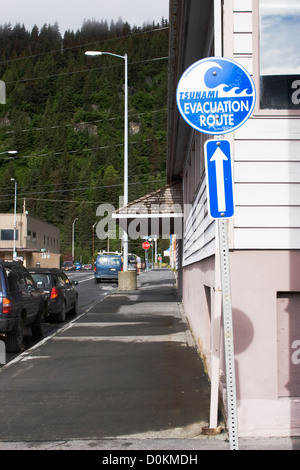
x=124 y=369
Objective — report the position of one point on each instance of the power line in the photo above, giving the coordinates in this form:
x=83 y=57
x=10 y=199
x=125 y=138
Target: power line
x=22 y=195
x=96 y=121
x=24 y=80
x=55 y=51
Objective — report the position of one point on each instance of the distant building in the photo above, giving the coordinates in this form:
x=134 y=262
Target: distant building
x=36 y=241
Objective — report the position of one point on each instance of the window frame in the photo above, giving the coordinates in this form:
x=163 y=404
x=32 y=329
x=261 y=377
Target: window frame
x=256 y=71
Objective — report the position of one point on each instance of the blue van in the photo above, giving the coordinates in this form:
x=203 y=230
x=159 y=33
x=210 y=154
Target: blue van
x=107 y=266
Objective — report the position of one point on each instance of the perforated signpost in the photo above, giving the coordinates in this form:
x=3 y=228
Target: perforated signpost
x=216 y=96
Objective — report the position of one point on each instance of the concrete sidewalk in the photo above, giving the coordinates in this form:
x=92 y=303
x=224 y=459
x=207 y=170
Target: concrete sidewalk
x=123 y=376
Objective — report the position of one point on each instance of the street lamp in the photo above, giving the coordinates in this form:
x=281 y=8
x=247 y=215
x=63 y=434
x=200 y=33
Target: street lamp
x=15 y=218
x=73 y=237
x=125 y=202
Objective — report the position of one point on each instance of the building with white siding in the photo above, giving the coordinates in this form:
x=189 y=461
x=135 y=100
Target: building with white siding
x=264 y=234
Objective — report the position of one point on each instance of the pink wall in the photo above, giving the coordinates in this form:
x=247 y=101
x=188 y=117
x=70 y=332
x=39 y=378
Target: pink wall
x=266 y=335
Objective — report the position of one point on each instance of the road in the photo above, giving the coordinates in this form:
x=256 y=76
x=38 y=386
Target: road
x=89 y=293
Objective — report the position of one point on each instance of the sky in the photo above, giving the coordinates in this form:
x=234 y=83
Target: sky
x=279 y=37
x=70 y=14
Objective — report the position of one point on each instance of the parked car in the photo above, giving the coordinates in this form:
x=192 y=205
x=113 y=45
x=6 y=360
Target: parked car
x=78 y=266
x=22 y=304
x=107 y=266
x=87 y=267
x=62 y=297
x=68 y=266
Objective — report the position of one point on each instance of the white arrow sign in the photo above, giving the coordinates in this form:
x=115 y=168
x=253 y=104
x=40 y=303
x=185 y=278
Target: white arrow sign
x=219 y=178
x=219 y=158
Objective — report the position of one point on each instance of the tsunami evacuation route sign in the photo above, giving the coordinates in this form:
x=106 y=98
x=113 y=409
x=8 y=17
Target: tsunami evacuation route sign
x=215 y=95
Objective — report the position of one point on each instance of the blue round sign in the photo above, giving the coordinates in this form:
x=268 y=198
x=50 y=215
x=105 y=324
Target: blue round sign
x=215 y=95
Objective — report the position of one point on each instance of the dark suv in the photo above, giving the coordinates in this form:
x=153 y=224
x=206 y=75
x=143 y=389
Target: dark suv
x=22 y=304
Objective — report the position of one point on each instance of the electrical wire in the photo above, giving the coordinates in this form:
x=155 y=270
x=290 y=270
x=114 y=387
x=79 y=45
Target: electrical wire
x=55 y=51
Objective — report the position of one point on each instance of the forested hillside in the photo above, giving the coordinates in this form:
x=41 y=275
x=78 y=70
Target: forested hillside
x=64 y=114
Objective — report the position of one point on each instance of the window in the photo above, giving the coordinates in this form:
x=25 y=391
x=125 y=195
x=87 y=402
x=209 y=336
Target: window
x=11 y=278
x=45 y=278
x=279 y=24
x=60 y=279
x=114 y=261
x=64 y=278
x=20 y=279
x=29 y=280
x=8 y=234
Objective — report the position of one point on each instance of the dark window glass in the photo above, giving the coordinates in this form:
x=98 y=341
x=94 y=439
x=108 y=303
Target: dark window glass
x=11 y=278
x=8 y=234
x=29 y=280
x=45 y=278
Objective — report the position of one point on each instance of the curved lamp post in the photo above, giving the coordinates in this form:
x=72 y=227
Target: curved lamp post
x=125 y=202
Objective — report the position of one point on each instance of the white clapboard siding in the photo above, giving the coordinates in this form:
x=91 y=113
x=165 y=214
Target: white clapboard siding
x=242 y=5
x=266 y=150
x=267 y=183
x=267 y=238
x=270 y=128
x=271 y=172
x=266 y=217
x=199 y=246
x=199 y=230
x=249 y=194
x=243 y=43
x=242 y=22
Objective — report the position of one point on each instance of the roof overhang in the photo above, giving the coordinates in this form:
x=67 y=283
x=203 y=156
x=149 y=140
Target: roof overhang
x=158 y=213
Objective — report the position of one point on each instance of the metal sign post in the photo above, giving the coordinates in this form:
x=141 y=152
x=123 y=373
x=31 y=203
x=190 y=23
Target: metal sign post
x=221 y=207
x=228 y=336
